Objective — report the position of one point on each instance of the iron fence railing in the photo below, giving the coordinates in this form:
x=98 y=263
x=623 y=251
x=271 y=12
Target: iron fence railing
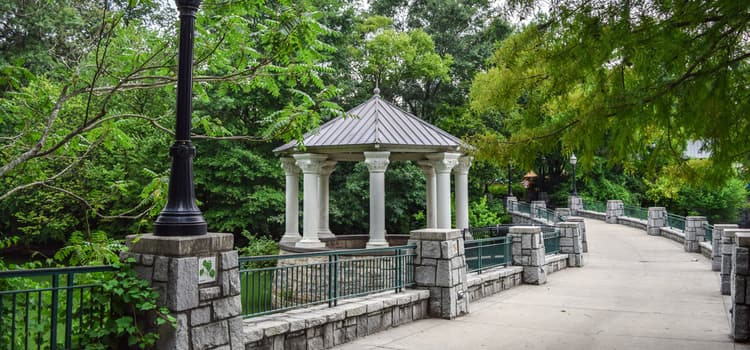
x=524 y=207
x=708 y=230
x=551 y=241
x=591 y=205
x=276 y=283
x=545 y=214
x=676 y=222
x=499 y=230
x=482 y=254
x=636 y=212
x=50 y=308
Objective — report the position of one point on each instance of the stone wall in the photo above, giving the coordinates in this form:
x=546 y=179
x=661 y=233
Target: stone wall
x=493 y=281
x=740 y=318
x=323 y=327
x=674 y=235
x=588 y=214
x=706 y=250
x=520 y=219
x=657 y=218
x=554 y=263
x=694 y=232
x=615 y=209
x=632 y=222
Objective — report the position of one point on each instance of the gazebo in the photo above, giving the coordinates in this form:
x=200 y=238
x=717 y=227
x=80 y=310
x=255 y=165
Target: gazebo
x=376 y=132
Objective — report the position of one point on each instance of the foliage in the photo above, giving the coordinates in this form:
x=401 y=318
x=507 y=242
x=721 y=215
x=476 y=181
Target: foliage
x=636 y=78
x=258 y=245
x=482 y=213
x=96 y=248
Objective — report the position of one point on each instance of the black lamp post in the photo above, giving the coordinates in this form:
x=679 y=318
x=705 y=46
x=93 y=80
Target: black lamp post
x=510 y=182
x=181 y=217
x=573 y=161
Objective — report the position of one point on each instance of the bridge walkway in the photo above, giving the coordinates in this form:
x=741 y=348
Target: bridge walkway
x=635 y=292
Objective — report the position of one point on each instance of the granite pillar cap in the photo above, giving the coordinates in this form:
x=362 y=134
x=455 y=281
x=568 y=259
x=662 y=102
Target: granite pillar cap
x=732 y=232
x=743 y=238
x=526 y=229
x=179 y=246
x=435 y=234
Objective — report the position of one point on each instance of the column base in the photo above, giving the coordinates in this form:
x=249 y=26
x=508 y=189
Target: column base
x=326 y=234
x=290 y=238
x=377 y=244
x=310 y=244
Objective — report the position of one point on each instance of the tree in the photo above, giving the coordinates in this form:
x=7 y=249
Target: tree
x=638 y=79
x=89 y=142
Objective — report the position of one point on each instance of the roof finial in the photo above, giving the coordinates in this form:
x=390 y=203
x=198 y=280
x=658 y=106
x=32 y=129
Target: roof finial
x=377 y=89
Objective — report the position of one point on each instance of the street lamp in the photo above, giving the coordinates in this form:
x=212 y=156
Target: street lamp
x=181 y=217
x=510 y=183
x=573 y=161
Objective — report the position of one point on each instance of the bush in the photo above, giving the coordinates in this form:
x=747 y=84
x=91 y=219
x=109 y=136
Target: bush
x=482 y=213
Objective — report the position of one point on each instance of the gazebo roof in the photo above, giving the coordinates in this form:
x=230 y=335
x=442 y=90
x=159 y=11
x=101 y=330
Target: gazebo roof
x=380 y=125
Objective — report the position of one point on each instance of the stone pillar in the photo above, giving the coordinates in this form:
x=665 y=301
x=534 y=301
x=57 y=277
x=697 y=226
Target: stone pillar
x=528 y=251
x=739 y=327
x=571 y=242
x=291 y=215
x=727 y=250
x=694 y=233
x=198 y=280
x=716 y=245
x=324 y=230
x=582 y=228
x=461 y=180
x=430 y=188
x=657 y=218
x=443 y=163
x=311 y=165
x=377 y=163
x=511 y=204
x=440 y=266
x=535 y=205
x=575 y=204
x=615 y=209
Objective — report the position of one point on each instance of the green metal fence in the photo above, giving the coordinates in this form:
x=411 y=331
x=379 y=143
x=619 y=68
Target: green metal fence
x=676 y=222
x=498 y=230
x=276 y=283
x=524 y=207
x=545 y=214
x=482 y=254
x=709 y=232
x=600 y=207
x=551 y=242
x=49 y=308
x=636 y=212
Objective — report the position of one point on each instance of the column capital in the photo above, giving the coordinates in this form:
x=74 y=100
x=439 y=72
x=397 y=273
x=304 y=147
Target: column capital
x=426 y=167
x=377 y=162
x=464 y=163
x=443 y=162
x=290 y=166
x=310 y=163
x=328 y=167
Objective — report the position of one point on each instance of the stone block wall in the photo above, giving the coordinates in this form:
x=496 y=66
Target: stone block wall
x=554 y=263
x=694 y=233
x=440 y=267
x=727 y=250
x=493 y=281
x=571 y=242
x=528 y=251
x=657 y=218
x=582 y=229
x=511 y=204
x=716 y=245
x=615 y=209
x=197 y=278
x=562 y=212
x=321 y=327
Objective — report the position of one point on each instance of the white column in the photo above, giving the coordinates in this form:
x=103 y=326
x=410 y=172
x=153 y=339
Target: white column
x=310 y=164
x=377 y=163
x=461 y=181
x=324 y=231
x=431 y=201
x=291 y=234
x=443 y=163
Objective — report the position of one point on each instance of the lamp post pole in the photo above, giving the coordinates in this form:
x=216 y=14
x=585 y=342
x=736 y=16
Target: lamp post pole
x=573 y=161
x=510 y=182
x=181 y=217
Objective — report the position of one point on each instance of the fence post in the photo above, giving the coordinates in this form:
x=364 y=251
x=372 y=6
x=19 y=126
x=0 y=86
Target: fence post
x=740 y=320
x=561 y=213
x=716 y=245
x=440 y=267
x=528 y=251
x=582 y=229
x=727 y=250
x=535 y=206
x=694 y=233
x=571 y=242
x=511 y=204
x=198 y=280
x=615 y=209
x=657 y=218
x=575 y=204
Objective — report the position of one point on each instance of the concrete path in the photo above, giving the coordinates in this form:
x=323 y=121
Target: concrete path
x=635 y=292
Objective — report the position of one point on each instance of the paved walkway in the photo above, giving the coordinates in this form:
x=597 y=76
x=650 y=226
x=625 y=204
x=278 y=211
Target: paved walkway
x=635 y=292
